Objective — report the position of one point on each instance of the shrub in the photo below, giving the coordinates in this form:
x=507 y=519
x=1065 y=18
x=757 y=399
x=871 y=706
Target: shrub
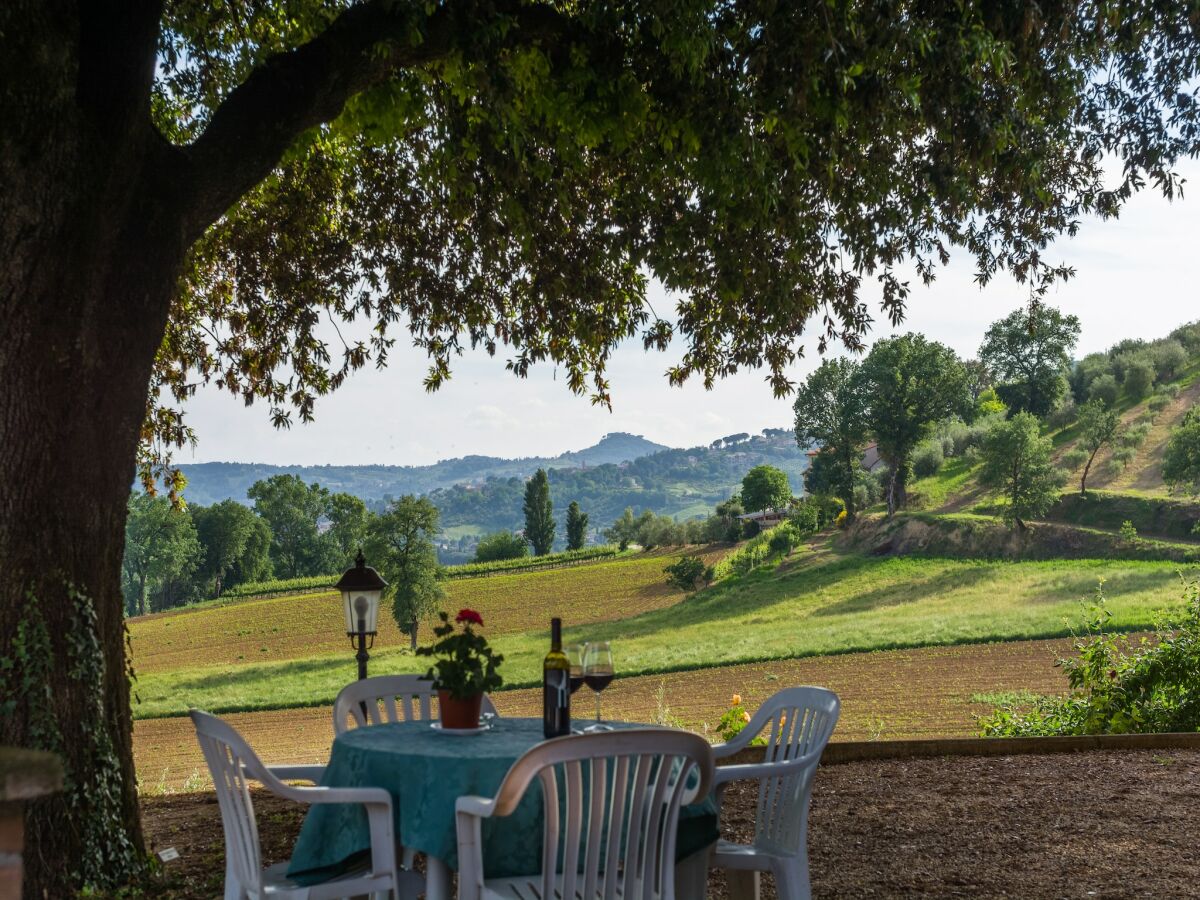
x=1074 y=459
x=1139 y=376
x=1159 y=402
x=1064 y=414
x=1128 y=532
x=1104 y=387
x=1167 y=390
x=1121 y=459
x=928 y=459
x=688 y=572
x=1189 y=336
x=1168 y=356
x=805 y=517
x=734 y=720
x=782 y=539
x=1134 y=436
x=501 y=545
x=1118 y=686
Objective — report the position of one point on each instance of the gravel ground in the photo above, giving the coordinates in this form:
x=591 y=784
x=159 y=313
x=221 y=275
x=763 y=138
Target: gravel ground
x=1096 y=824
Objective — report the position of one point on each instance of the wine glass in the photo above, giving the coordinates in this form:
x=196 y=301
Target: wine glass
x=574 y=654
x=598 y=674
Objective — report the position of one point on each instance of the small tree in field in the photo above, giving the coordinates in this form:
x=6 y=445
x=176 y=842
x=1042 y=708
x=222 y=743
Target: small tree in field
x=1016 y=459
x=765 y=487
x=1100 y=426
x=577 y=522
x=400 y=545
x=501 y=545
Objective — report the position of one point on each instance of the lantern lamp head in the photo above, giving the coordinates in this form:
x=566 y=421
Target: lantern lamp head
x=361 y=588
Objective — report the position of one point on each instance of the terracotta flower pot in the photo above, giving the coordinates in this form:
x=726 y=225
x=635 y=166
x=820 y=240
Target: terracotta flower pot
x=459 y=713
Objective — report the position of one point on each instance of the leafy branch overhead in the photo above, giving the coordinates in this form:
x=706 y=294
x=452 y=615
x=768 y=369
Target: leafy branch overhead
x=508 y=175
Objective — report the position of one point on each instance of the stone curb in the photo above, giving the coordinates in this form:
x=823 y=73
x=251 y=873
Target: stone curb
x=860 y=751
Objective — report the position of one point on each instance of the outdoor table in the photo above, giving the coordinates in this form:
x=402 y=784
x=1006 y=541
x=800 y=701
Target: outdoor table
x=426 y=772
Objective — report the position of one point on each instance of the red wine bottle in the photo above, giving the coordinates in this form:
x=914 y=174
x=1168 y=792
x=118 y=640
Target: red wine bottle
x=556 y=686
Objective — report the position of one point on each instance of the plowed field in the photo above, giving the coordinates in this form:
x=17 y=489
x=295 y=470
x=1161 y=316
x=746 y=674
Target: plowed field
x=304 y=625
x=888 y=694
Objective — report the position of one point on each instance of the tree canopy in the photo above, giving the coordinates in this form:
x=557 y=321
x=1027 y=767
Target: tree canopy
x=831 y=414
x=577 y=523
x=1181 y=463
x=1099 y=426
x=911 y=383
x=1016 y=459
x=400 y=546
x=1029 y=350
x=766 y=487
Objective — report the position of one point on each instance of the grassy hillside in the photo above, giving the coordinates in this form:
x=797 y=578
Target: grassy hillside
x=278 y=654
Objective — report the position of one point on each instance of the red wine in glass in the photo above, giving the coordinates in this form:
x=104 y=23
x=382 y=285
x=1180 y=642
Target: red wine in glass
x=598 y=681
x=598 y=674
x=575 y=654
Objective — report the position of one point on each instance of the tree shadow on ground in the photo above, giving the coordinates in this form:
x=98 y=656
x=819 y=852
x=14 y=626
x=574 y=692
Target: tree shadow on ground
x=908 y=591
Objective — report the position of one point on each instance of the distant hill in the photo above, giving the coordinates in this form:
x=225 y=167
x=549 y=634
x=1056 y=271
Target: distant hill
x=215 y=481
x=680 y=483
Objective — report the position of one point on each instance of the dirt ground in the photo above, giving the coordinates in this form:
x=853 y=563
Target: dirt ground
x=1096 y=824
x=886 y=695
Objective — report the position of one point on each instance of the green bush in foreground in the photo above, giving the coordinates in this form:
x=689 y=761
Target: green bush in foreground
x=1118 y=686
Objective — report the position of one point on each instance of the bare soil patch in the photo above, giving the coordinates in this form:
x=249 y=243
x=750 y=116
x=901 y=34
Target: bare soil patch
x=1096 y=824
x=890 y=694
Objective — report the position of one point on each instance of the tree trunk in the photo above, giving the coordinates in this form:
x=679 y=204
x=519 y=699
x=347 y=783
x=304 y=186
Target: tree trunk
x=413 y=635
x=90 y=250
x=1086 y=469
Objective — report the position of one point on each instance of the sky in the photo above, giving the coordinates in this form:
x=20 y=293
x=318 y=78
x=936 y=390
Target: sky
x=1137 y=276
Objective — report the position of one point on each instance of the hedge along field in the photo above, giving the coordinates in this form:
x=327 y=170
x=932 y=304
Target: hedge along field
x=289 y=627
x=891 y=694
x=816 y=604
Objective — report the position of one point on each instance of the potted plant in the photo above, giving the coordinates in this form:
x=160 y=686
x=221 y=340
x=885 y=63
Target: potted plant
x=464 y=668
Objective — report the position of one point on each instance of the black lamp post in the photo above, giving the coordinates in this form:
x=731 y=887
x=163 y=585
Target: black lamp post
x=361 y=589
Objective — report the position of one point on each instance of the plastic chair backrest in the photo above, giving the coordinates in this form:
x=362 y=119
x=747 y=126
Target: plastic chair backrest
x=611 y=807
x=386 y=698
x=232 y=764
x=798 y=724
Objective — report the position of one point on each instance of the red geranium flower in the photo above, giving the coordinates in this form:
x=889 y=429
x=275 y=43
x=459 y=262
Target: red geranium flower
x=469 y=617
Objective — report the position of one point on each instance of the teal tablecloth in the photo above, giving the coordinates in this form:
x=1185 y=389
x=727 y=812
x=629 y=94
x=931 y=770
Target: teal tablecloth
x=426 y=772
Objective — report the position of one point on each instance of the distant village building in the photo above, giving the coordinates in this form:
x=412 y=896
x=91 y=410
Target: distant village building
x=766 y=518
x=870 y=456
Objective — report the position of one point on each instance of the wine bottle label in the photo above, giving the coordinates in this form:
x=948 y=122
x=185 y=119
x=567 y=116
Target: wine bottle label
x=556 y=702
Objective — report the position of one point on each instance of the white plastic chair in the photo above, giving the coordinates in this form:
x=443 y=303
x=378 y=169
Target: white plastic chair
x=616 y=838
x=387 y=698
x=232 y=764
x=798 y=722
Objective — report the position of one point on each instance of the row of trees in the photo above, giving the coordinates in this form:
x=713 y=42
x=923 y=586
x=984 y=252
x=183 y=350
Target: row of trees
x=175 y=555
x=540 y=526
x=902 y=388
x=920 y=403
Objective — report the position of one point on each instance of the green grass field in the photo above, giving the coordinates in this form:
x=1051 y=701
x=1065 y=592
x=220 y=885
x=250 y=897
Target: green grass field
x=820 y=602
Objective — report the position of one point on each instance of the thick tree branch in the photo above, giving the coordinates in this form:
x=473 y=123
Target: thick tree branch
x=305 y=87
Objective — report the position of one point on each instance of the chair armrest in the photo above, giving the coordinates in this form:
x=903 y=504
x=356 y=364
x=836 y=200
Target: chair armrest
x=469 y=813
x=481 y=807
x=721 y=751
x=756 y=771
x=311 y=773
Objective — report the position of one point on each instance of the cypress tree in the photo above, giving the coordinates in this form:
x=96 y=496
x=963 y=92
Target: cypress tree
x=539 y=514
x=577 y=522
